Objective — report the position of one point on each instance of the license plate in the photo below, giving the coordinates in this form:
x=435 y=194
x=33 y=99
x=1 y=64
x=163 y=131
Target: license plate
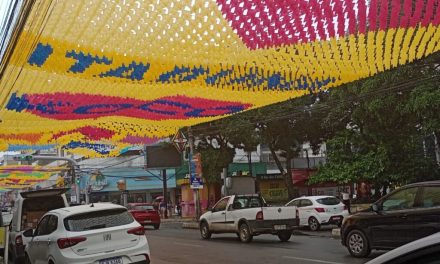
x=337 y=217
x=279 y=227
x=147 y=221
x=117 y=260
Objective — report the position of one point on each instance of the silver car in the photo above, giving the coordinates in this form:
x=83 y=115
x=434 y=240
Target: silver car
x=423 y=251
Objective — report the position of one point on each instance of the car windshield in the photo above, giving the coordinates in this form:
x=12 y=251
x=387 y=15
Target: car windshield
x=97 y=220
x=328 y=201
x=142 y=207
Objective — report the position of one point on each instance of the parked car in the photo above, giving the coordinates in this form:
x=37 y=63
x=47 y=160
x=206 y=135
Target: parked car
x=28 y=208
x=422 y=251
x=248 y=216
x=404 y=215
x=97 y=233
x=315 y=211
x=145 y=214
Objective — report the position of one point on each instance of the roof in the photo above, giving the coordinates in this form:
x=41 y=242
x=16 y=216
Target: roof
x=426 y=183
x=67 y=211
x=407 y=249
x=314 y=197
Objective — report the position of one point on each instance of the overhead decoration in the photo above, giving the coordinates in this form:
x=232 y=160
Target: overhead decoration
x=25 y=176
x=96 y=76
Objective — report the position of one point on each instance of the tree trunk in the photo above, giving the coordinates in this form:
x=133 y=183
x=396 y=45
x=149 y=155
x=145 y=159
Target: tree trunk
x=286 y=175
x=437 y=147
x=293 y=192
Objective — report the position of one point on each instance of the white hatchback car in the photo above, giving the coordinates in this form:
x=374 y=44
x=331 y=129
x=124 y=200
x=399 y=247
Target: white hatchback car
x=97 y=233
x=315 y=211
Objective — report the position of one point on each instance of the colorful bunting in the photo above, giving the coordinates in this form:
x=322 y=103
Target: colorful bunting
x=96 y=76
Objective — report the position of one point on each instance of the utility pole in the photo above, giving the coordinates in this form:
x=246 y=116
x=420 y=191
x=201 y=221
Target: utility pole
x=196 y=191
x=165 y=192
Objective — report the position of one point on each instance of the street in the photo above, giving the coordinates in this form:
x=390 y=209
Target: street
x=171 y=244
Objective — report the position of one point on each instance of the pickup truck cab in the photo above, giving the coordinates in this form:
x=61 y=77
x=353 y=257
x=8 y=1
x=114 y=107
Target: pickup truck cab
x=248 y=216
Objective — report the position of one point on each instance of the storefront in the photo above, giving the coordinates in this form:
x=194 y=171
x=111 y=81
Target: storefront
x=141 y=185
x=300 y=181
x=272 y=187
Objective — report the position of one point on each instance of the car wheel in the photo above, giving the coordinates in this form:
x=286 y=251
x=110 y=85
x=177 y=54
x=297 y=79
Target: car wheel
x=314 y=224
x=357 y=244
x=284 y=236
x=27 y=260
x=156 y=226
x=204 y=230
x=245 y=233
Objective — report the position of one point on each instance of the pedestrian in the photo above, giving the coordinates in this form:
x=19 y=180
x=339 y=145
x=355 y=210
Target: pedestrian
x=179 y=209
x=346 y=201
x=162 y=208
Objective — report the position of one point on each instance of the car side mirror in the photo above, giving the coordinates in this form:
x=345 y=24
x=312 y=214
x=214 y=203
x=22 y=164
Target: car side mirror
x=28 y=233
x=376 y=208
x=210 y=209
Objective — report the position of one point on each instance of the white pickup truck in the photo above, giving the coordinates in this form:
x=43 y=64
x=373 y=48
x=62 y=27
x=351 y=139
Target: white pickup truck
x=248 y=216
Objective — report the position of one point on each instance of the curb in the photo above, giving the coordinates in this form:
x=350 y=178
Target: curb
x=190 y=225
x=336 y=233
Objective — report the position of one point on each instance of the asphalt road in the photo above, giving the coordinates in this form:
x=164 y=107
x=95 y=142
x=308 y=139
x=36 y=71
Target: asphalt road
x=171 y=244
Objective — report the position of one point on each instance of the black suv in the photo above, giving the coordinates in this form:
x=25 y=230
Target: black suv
x=404 y=215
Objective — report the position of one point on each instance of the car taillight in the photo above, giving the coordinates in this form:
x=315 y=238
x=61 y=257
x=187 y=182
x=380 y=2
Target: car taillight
x=19 y=240
x=345 y=207
x=69 y=242
x=260 y=215
x=320 y=210
x=140 y=231
x=147 y=258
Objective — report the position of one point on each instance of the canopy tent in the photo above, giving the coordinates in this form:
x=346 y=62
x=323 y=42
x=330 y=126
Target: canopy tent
x=94 y=76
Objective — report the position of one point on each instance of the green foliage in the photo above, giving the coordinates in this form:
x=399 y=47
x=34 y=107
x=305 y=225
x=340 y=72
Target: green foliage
x=374 y=129
x=379 y=126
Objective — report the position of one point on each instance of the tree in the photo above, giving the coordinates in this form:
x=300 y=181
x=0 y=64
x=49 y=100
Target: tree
x=378 y=126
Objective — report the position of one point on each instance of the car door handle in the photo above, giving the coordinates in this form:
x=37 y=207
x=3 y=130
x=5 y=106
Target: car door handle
x=223 y=213
x=404 y=216
x=48 y=242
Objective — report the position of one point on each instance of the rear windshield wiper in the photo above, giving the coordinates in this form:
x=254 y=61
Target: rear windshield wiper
x=95 y=227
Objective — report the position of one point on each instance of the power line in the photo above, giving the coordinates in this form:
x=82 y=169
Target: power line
x=313 y=109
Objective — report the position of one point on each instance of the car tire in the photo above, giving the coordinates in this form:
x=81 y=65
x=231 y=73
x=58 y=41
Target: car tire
x=27 y=260
x=314 y=225
x=156 y=226
x=284 y=236
x=357 y=244
x=204 y=230
x=245 y=233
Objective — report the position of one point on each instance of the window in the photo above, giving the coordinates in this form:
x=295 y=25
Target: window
x=428 y=255
x=241 y=202
x=254 y=202
x=400 y=200
x=306 y=202
x=328 y=201
x=294 y=203
x=221 y=205
x=41 y=229
x=97 y=220
x=431 y=197
x=52 y=224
